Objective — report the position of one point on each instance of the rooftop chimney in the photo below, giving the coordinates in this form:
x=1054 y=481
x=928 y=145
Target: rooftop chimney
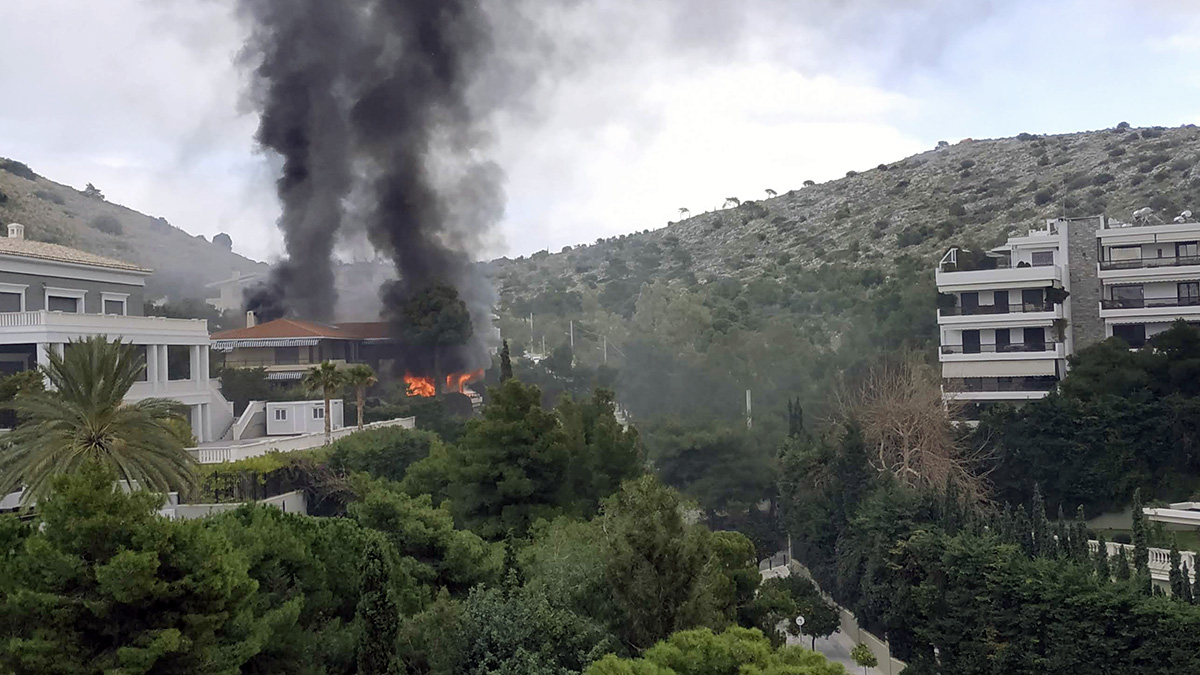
x=16 y=231
x=251 y=319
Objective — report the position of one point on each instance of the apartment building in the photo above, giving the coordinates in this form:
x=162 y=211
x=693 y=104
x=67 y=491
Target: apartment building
x=1149 y=275
x=51 y=295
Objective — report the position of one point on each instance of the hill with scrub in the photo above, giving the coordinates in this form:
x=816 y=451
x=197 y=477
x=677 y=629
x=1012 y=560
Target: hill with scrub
x=60 y=214
x=778 y=295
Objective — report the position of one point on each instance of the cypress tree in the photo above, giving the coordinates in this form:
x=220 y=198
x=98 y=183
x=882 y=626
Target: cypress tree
x=1175 y=577
x=1103 y=572
x=951 y=508
x=1079 y=536
x=1121 y=571
x=1023 y=530
x=376 y=613
x=1141 y=548
x=1196 y=586
x=1040 y=527
x=1187 y=597
x=1064 y=540
x=1005 y=526
x=506 y=371
x=795 y=418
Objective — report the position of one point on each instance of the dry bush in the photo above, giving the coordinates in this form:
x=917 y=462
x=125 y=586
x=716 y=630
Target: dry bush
x=910 y=430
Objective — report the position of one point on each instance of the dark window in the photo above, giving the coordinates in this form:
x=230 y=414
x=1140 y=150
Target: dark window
x=1035 y=339
x=1125 y=253
x=10 y=302
x=56 y=303
x=1003 y=340
x=1187 y=249
x=1001 y=302
x=141 y=357
x=318 y=413
x=1128 y=296
x=1133 y=334
x=970 y=340
x=970 y=303
x=287 y=356
x=1033 y=299
x=179 y=362
x=114 y=307
x=1189 y=293
x=280 y=414
x=1043 y=258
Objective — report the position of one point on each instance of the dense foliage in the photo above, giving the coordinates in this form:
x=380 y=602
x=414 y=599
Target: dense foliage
x=1123 y=419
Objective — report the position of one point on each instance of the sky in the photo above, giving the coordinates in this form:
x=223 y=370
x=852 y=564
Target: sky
x=634 y=110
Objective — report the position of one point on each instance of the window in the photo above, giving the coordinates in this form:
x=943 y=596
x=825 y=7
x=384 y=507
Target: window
x=1187 y=249
x=57 y=303
x=281 y=414
x=1125 y=253
x=1033 y=299
x=11 y=302
x=1128 y=296
x=970 y=339
x=12 y=297
x=1035 y=339
x=1133 y=334
x=318 y=413
x=114 y=303
x=1003 y=340
x=287 y=356
x=1043 y=258
x=1189 y=293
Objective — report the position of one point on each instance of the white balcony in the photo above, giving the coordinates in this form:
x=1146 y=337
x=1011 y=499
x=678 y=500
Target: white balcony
x=1150 y=310
x=43 y=326
x=1012 y=352
x=998 y=279
x=1018 y=316
x=964 y=396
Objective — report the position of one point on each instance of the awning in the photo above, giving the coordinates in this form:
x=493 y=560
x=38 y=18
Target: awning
x=230 y=345
x=998 y=368
x=285 y=376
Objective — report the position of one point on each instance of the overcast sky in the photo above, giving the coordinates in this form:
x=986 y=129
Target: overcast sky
x=640 y=108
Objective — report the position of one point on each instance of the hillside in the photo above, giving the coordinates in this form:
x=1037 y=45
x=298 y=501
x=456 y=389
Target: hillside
x=775 y=293
x=63 y=215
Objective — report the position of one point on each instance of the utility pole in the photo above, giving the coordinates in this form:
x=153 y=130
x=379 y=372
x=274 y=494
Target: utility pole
x=531 y=341
x=543 y=345
x=749 y=414
x=572 y=324
x=606 y=349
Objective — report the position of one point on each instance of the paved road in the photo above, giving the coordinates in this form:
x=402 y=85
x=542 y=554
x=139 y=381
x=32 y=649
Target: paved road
x=836 y=648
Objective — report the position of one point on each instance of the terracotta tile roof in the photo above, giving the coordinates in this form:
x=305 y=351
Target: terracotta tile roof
x=298 y=328
x=27 y=248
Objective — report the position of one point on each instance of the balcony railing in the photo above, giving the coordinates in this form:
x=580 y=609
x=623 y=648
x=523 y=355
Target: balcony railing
x=998 y=309
x=1037 y=347
x=1143 y=303
x=1139 y=263
x=984 y=384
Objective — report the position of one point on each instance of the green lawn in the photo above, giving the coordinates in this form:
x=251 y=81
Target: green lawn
x=1189 y=540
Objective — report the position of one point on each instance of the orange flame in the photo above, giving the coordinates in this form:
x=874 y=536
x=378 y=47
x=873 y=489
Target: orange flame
x=423 y=386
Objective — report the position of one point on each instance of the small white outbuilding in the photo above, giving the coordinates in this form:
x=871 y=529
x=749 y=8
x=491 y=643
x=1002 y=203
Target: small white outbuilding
x=302 y=417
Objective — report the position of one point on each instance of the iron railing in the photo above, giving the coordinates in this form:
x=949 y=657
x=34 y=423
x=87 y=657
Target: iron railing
x=1036 y=347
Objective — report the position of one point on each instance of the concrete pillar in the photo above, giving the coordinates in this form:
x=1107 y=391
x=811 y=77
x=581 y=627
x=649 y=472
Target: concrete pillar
x=163 y=375
x=204 y=365
x=197 y=422
x=194 y=362
x=152 y=365
x=43 y=354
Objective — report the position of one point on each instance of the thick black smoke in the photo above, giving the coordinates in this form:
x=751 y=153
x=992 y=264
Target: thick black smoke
x=369 y=104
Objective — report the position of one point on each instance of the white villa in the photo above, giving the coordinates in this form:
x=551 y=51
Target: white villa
x=51 y=294
x=1150 y=276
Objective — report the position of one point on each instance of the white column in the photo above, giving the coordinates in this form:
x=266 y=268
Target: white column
x=163 y=375
x=206 y=422
x=43 y=354
x=152 y=365
x=197 y=422
x=194 y=362
x=204 y=365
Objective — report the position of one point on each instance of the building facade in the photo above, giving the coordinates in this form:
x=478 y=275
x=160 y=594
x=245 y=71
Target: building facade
x=1149 y=277
x=1009 y=321
x=288 y=348
x=51 y=295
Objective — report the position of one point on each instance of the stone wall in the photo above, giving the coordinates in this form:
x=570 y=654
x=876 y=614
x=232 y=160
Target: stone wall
x=1086 y=327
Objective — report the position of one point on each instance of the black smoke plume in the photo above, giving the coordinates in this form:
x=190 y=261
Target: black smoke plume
x=374 y=107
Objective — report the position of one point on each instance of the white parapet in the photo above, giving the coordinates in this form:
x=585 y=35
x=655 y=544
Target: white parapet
x=215 y=454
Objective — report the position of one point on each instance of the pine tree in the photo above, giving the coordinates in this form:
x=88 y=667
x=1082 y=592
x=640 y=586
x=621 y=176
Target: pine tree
x=1079 y=536
x=1175 y=576
x=1040 y=527
x=1121 y=571
x=377 y=614
x=1103 y=572
x=506 y=371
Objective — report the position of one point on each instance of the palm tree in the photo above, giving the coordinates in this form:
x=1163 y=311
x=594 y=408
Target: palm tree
x=328 y=380
x=684 y=212
x=83 y=418
x=360 y=377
